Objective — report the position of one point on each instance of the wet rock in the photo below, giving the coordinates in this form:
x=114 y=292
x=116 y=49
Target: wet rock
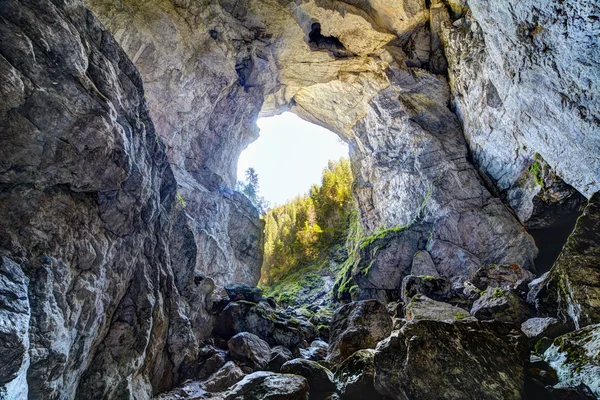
x=249 y=349
x=439 y=289
x=422 y=265
x=510 y=276
x=212 y=362
x=538 y=328
x=317 y=351
x=501 y=305
x=320 y=379
x=576 y=358
x=224 y=378
x=355 y=376
x=355 y=326
x=279 y=356
x=571 y=290
x=423 y=308
x=269 y=386
x=243 y=292
x=465 y=359
x=273 y=326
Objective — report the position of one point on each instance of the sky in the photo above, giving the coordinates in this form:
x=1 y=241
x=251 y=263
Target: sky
x=289 y=156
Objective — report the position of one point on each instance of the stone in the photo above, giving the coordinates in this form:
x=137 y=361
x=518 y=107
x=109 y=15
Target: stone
x=224 y=378
x=249 y=349
x=427 y=358
x=317 y=351
x=212 y=363
x=511 y=276
x=319 y=378
x=273 y=326
x=422 y=265
x=355 y=376
x=576 y=358
x=501 y=305
x=243 y=292
x=538 y=328
x=439 y=289
x=423 y=308
x=570 y=291
x=279 y=356
x=355 y=326
x=268 y=386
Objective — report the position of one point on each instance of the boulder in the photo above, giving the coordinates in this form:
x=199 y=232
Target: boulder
x=576 y=358
x=240 y=291
x=225 y=377
x=320 y=379
x=570 y=291
x=355 y=326
x=439 y=289
x=500 y=304
x=507 y=276
x=355 y=375
x=273 y=326
x=422 y=265
x=249 y=349
x=211 y=362
x=269 y=386
x=279 y=356
x=538 y=328
x=423 y=308
x=459 y=360
x=317 y=351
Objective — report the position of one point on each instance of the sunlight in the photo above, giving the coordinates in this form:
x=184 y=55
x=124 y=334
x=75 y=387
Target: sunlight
x=289 y=156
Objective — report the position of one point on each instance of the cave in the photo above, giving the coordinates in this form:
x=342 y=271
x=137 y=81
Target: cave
x=129 y=261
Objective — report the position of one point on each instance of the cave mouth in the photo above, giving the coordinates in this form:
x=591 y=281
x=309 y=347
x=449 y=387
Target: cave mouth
x=550 y=240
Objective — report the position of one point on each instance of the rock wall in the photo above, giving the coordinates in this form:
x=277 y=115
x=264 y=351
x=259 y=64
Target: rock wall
x=99 y=295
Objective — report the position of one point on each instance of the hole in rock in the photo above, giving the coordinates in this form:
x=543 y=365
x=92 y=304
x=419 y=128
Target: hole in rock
x=550 y=240
x=303 y=172
x=329 y=43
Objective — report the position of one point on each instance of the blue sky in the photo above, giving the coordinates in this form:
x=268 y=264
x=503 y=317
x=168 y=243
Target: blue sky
x=289 y=156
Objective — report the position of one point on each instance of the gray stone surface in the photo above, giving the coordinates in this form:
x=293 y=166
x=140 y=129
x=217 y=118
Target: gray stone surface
x=500 y=305
x=228 y=375
x=250 y=350
x=424 y=308
x=319 y=378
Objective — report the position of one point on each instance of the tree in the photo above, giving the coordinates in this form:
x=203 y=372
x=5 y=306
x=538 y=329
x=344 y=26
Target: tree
x=250 y=189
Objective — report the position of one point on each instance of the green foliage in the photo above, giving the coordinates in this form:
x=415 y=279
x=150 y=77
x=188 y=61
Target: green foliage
x=299 y=233
x=181 y=200
x=250 y=188
x=536 y=171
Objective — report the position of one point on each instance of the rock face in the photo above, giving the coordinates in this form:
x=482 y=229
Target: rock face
x=433 y=359
x=355 y=376
x=501 y=305
x=571 y=290
x=423 y=308
x=98 y=265
x=356 y=326
x=576 y=358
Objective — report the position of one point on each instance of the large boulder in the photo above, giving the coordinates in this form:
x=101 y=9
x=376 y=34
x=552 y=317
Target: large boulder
x=355 y=376
x=279 y=356
x=576 y=358
x=501 y=305
x=271 y=325
x=423 y=308
x=571 y=290
x=355 y=326
x=507 y=276
x=320 y=379
x=460 y=360
x=225 y=377
x=239 y=291
x=317 y=351
x=439 y=289
x=538 y=328
x=249 y=349
x=422 y=265
x=269 y=386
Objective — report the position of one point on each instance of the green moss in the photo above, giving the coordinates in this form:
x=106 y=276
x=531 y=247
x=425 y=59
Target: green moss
x=381 y=233
x=536 y=170
x=181 y=200
x=427 y=277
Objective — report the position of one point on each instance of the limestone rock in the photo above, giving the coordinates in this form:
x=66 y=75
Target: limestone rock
x=355 y=376
x=433 y=359
x=422 y=265
x=439 y=289
x=243 y=292
x=268 y=386
x=249 y=349
x=571 y=290
x=317 y=351
x=538 y=328
x=576 y=358
x=423 y=308
x=273 y=326
x=319 y=378
x=502 y=276
x=355 y=326
x=224 y=378
x=279 y=356
x=501 y=305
